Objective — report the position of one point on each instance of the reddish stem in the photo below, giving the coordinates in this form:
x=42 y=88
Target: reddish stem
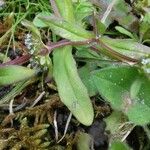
x=50 y=47
x=18 y=61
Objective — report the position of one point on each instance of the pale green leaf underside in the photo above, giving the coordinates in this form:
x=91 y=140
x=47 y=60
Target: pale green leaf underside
x=72 y=91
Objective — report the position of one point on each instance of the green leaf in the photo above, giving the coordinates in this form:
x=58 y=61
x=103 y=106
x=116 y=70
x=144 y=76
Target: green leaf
x=124 y=31
x=144 y=91
x=114 y=121
x=12 y=74
x=114 y=83
x=118 y=145
x=82 y=10
x=84 y=141
x=14 y=92
x=71 y=90
x=145 y=27
x=8 y=21
x=118 y=125
x=85 y=75
x=100 y=26
x=127 y=47
x=32 y=28
x=135 y=88
x=65 y=8
x=38 y=22
x=139 y=114
x=127 y=89
x=66 y=29
x=85 y=52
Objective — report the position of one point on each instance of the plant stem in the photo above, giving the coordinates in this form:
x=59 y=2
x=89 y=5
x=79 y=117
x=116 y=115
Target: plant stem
x=51 y=46
x=18 y=61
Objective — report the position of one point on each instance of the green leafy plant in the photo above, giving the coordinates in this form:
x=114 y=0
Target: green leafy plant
x=72 y=46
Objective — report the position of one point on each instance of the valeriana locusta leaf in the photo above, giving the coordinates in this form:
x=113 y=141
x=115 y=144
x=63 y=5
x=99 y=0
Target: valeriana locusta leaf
x=71 y=90
x=66 y=29
x=12 y=74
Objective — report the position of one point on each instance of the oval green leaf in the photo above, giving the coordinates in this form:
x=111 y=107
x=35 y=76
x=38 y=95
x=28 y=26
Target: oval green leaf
x=116 y=85
x=71 y=90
